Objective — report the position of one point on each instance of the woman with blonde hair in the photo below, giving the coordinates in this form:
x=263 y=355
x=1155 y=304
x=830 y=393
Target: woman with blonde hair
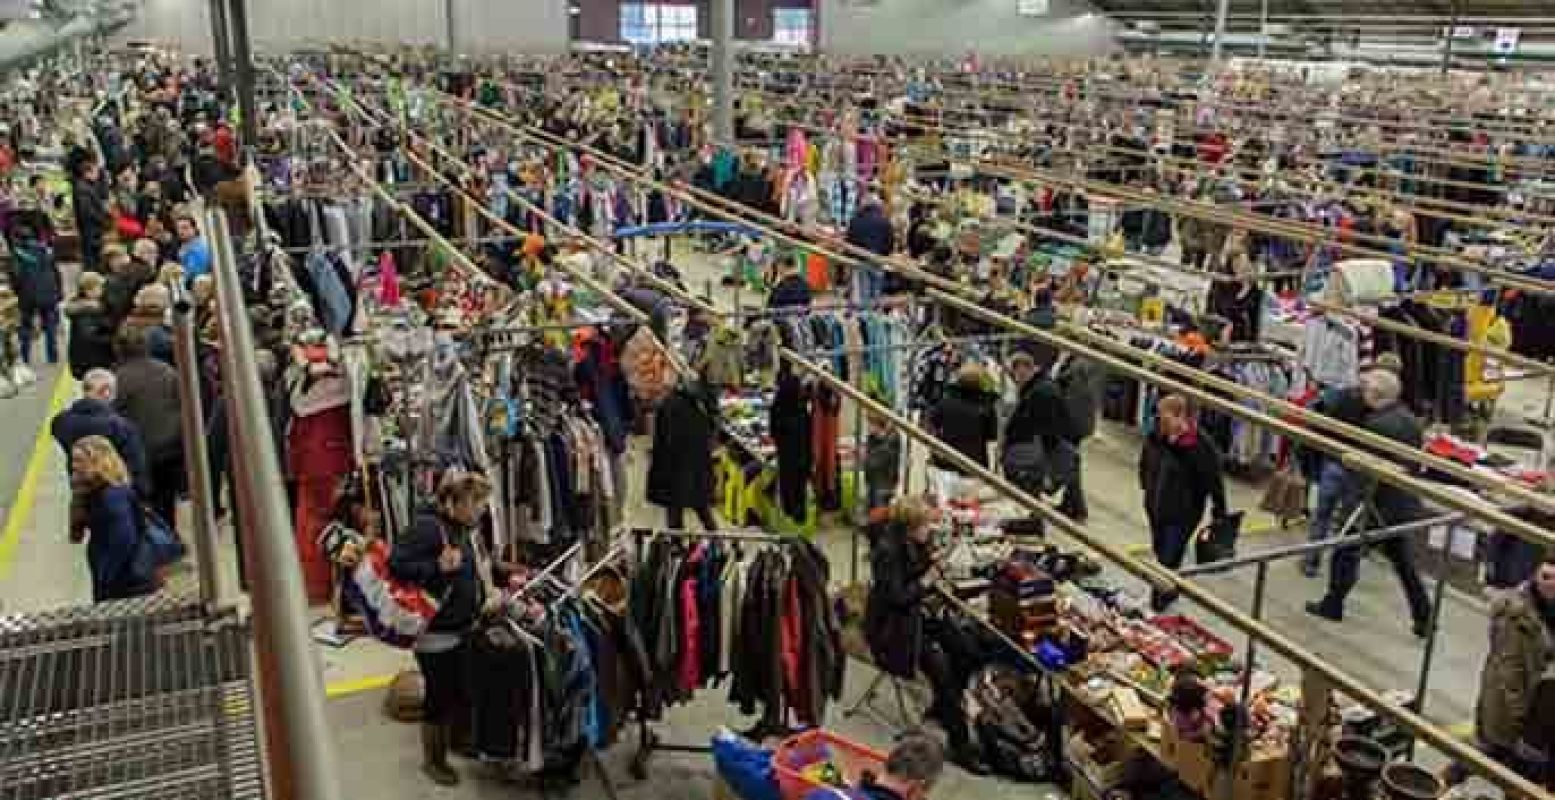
x=113 y=519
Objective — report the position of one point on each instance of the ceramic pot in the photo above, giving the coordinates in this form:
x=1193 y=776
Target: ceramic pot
x=1404 y=781
x=1361 y=760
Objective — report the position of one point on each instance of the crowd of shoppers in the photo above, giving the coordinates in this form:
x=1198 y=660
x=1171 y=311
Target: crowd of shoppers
x=138 y=246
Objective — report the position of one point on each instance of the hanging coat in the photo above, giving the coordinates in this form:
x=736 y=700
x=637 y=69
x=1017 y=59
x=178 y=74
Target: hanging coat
x=680 y=474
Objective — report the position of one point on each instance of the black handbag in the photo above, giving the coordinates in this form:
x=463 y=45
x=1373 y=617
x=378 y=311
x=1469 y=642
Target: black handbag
x=1217 y=540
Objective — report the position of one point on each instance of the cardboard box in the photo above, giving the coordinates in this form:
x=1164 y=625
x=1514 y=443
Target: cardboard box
x=1130 y=710
x=1190 y=760
x=1264 y=776
x=1103 y=760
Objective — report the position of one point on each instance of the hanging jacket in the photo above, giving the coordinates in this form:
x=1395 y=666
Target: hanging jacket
x=720 y=364
x=680 y=473
x=893 y=612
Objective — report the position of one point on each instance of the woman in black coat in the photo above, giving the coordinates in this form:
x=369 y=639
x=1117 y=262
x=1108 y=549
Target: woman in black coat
x=680 y=475
x=438 y=553
x=965 y=418
x=902 y=566
x=91 y=334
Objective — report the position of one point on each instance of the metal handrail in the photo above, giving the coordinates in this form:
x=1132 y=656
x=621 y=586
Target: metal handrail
x=299 y=749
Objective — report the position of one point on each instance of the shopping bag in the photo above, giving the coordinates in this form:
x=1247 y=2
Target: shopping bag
x=395 y=613
x=1217 y=540
x=1286 y=497
x=156 y=549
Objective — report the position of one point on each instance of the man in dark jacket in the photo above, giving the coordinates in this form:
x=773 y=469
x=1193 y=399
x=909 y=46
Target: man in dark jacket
x=1382 y=503
x=89 y=196
x=148 y=397
x=39 y=289
x=1179 y=471
x=94 y=415
x=1349 y=407
x=1082 y=382
x=871 y=230
x=1037 y=434
x=791 y=289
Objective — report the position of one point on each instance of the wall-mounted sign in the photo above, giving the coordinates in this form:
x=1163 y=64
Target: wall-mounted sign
x=1032 y=8
x=1506 y=40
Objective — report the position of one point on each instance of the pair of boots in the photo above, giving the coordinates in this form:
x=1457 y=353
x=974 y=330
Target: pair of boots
x=435 y=743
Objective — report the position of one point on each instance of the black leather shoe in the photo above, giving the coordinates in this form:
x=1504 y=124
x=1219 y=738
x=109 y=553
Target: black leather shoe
x=969 y=761
x=1319 y=609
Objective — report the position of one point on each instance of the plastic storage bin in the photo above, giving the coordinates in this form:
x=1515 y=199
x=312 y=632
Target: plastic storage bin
x=814 y=747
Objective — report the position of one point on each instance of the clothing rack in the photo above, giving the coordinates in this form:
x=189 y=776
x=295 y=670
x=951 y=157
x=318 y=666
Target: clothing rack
x=649 y=742
x=991 y=338
x=511 y=336
x=547 y=574
x=549 y=570
x=384 y=245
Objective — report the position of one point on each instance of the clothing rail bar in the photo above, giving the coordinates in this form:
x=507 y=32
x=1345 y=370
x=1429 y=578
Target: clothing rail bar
x=1363 y=538
x=729 y=535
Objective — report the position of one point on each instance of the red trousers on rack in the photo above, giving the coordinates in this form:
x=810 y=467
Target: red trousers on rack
x=315 y=501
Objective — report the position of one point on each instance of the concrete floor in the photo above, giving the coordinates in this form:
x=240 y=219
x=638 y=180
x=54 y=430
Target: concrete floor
x=378 y=757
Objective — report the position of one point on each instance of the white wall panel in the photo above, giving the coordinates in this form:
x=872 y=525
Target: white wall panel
x=286 y=24
x=511 y=26
x=184 y=25
x=537 y=26
x=955 y=27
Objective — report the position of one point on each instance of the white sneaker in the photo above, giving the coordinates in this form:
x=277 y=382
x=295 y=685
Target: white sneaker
x=22 y=375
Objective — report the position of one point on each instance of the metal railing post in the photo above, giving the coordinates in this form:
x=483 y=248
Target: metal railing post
x=299 y=752
x=197 y=460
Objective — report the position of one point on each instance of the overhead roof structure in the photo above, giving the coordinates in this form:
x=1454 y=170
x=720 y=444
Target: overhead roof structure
x=1409 y=17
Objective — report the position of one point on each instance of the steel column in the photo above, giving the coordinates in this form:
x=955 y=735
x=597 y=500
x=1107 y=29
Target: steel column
x=221 y=42
x=723 y=69
x=243 y=57
x=1220 y=35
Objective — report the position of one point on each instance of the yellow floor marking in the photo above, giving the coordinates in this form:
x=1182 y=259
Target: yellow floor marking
x=347 y=688
x=27 y=494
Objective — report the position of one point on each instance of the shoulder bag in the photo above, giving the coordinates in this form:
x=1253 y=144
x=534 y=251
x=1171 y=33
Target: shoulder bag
x=156 y=548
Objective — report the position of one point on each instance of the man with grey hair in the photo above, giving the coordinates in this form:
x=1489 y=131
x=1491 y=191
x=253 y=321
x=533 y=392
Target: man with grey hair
x=1384 y=505
x=94 y=415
